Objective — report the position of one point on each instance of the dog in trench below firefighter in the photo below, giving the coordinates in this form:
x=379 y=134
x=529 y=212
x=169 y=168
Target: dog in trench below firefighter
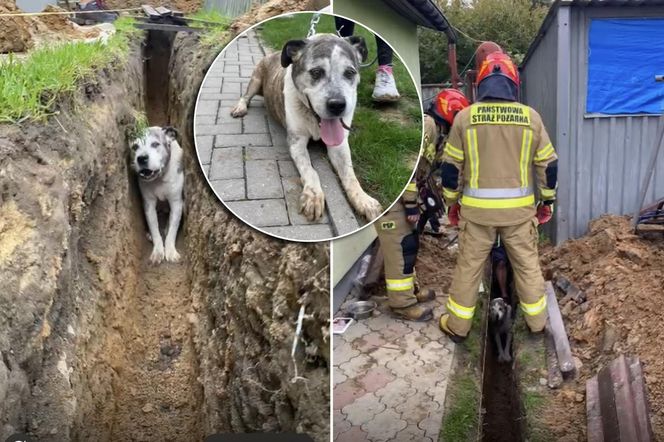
x=500 y=327
x=157 y=159
x=311 y=89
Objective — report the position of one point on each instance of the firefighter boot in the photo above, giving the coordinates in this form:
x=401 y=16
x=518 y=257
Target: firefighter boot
x=425 y=295
x=445 y=329
x=414 y=313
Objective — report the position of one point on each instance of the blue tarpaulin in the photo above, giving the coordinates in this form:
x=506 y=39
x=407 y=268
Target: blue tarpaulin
x=624 y=55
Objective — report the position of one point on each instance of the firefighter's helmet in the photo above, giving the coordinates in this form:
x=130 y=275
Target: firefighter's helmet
x=498 y=63
x=446 y=105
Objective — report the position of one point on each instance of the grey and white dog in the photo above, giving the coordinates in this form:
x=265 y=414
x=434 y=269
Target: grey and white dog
x=500 y=325
x=311 y=89
x=157 y=159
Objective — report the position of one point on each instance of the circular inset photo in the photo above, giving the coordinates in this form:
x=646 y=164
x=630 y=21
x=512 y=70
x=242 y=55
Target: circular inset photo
x=308 y=126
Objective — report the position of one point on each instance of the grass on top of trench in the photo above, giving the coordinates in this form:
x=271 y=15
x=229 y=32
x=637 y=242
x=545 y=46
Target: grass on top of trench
x=216 y=24
x=31 y=87
x=386 y=138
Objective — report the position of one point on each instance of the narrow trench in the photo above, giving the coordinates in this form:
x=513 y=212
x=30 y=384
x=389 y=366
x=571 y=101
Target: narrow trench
x=501 y=404
x=157 y=397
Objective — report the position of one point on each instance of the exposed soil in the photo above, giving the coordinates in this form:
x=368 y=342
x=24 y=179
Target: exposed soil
x=14 y=31
x=435 y=262
x=178 y=5
x=260 y=12
x=623 y=278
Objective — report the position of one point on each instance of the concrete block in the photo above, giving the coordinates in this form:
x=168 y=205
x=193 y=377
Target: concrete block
x=231 y=88
x=287 y=169
x=212 y=82
x=206 y=107
x=315 y=232
x=263 y=180
x=254 y=124
x=204 y=148
x=242 y=140
x=261 y=213
x=227 y=163
x=229 y=190
x=225 y=128
x=267 y=153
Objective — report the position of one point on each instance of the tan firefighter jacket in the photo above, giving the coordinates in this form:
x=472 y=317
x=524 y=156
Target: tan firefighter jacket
x=488 y=163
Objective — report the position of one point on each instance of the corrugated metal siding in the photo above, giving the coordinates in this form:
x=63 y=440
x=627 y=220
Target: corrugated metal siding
x=608 y=154
x=231 y=8
x=602 y=159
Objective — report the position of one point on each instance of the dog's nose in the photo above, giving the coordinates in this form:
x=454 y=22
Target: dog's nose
x=336 y=105
x=142 y=160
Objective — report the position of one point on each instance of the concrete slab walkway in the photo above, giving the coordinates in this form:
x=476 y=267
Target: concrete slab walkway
x=247 y=160
x=390 y=378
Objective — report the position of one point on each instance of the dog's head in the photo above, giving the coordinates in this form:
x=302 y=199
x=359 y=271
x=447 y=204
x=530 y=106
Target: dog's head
x=151 y=152
x=325 y=70
x=498 y=310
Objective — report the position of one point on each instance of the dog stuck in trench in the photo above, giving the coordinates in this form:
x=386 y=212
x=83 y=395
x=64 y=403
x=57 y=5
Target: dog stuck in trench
x=500 y=326
x=311 y=90
x=157 y=160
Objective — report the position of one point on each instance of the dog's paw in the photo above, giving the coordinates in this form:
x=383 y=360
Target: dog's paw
x=240 y=110
x=369 y=207
x=157 y=255
x=504 y=357
x=312 y=203
x=171 y=254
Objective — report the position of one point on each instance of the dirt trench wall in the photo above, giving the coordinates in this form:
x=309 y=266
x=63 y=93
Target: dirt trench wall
x=67 y=250
x=247 y=289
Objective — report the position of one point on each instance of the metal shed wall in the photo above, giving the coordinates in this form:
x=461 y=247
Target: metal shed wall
x=602 y=159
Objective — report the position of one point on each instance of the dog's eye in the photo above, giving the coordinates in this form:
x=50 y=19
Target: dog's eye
x=134 y=147
x=316 y=73
x=350 y=73
x=155 y=144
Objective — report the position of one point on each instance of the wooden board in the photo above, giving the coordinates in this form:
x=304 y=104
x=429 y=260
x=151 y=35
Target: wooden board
x=164 y=11
x=555 y=377
x=150 y=11
x=172 y=28
x=557 y=328
x=593 y=411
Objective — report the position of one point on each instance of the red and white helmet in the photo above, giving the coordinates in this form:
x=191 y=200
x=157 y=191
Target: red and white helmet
x=498 y=63
x=446 y=105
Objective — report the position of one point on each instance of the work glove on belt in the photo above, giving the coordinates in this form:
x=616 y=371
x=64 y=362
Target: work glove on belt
x=453 y=214
x=544 y=211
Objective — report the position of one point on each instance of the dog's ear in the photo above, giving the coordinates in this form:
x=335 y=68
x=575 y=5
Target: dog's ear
x=170 y=132
x=290 y=51
x=360 y=46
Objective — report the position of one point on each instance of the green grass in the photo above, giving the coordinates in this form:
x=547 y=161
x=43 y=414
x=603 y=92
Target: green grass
x=386 y=140
x=461 y=419
x=215 y=34
x=31 y=87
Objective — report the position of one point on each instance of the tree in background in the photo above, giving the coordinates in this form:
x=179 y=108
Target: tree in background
x=512 y=24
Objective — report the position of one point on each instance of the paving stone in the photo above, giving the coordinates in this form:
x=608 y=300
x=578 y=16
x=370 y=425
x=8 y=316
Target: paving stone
x=431 y=426
x=356 y=330
x=204 y=149
x=383 y=355
x=242 y=140
x=395 y=331
x=293 y=191
x=232 y=127
x=232 y=87
x=340 y=424
x=379 y=322
x=431 y=353
x=204 y=107
x=375 y=378
x=412 y=433
x=229 y=190
x=287 y=169
x=384 y=426
x=338 y=376
x=256 y=125
x=226 y=164
x=355 y=434
x=263 y=180
x=260 y=213
x=344 y=353
x=346 y=393
x=315 y=232
x=403 y=366
x=356 y=366
x=205 y=119
x=395 y=393
x=417 y=407
x=363 y=409
x=267 y=153
x=206 y=169
x=368 y=341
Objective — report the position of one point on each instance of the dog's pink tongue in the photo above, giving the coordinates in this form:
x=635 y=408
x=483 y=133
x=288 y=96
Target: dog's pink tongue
x=331 y=132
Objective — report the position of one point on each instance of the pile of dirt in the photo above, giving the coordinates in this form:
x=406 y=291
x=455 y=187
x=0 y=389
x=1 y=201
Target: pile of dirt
x=185 y=6
x=260 y=12
x=622 y=275
x=436 y=261
x=14 y=31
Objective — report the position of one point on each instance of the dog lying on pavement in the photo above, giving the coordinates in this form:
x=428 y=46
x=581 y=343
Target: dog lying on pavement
x=500 y=326
x=311 y=89
x=157 y=159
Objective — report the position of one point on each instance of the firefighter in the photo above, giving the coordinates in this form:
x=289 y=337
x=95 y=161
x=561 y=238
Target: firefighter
x=487 y=174
x=437 y=123
x=397 y=231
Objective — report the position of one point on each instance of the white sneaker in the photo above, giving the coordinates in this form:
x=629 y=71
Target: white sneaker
x=385 y=89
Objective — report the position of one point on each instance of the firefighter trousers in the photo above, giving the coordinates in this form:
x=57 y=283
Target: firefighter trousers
x=475 y=243
x=399 y=242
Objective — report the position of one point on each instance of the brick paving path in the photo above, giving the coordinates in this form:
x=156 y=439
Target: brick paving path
x=247 y=160
x=390 y=378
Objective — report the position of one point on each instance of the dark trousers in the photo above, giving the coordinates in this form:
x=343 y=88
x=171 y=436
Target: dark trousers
x=346 y=28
